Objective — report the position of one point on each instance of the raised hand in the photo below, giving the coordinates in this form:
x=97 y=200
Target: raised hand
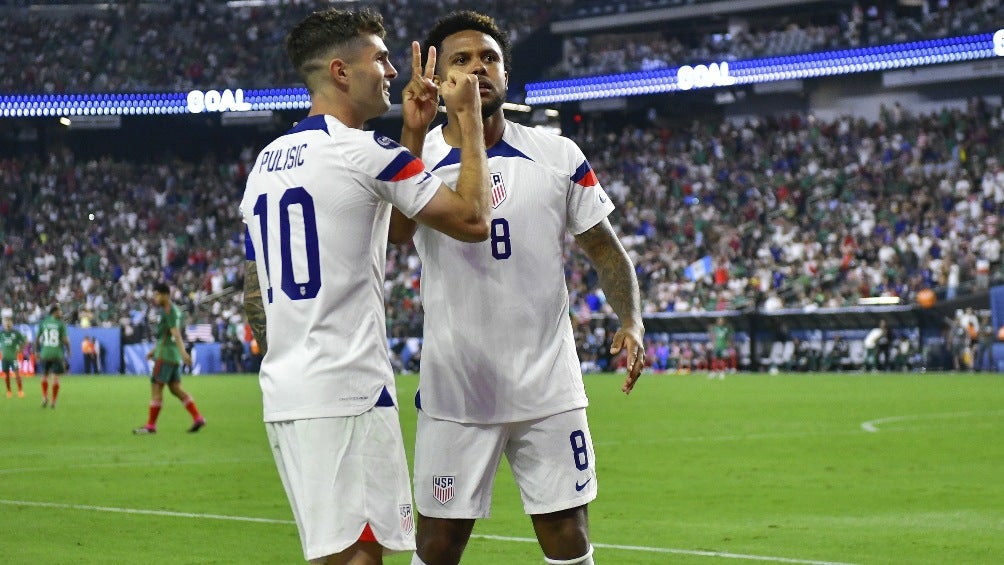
x=420 y=98
x=460 y=92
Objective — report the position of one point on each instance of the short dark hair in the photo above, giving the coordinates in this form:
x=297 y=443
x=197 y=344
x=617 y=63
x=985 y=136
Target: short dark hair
x=464 y=20
x=323 y=30
x=54 y=308
x=162 y=288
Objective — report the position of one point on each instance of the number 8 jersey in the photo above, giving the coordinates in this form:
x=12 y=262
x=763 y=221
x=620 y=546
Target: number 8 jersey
x=498 y=339
x=316 y=211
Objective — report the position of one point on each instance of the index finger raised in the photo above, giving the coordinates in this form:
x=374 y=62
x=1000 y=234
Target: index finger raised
x=416 y=59
x=430 y=65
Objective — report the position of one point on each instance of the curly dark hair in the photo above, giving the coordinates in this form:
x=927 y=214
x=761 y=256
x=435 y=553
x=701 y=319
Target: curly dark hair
x=324 y=30
x=463 y=20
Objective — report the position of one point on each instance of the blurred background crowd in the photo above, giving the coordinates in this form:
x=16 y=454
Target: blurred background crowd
x=792 y=210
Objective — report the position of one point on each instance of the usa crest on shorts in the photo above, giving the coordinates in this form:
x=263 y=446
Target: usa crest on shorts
x=442 y=488
x=407 y=518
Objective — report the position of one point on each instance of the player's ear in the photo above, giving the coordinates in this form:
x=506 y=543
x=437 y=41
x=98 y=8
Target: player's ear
x=338 y=71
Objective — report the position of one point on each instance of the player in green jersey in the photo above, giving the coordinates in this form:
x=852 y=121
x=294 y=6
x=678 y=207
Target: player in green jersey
x=168 y=354
x=723 y=355
x=53 y=348
x=11 y=342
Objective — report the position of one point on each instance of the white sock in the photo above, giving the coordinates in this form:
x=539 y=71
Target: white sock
x=416 y=560
x=586 y=559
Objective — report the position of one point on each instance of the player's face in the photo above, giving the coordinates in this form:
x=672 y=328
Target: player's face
x=8 y=324
x=160 y=298
x=372 y=72
x=479 y=54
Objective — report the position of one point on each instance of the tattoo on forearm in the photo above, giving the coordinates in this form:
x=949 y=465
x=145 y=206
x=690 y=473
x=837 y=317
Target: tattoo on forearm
x=617 y=276
x=254 y=308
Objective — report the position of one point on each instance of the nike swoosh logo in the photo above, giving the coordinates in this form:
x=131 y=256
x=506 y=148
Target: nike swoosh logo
x=579 y=487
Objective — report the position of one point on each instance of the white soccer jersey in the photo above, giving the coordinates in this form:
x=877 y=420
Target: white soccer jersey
x=498 y=339
x=316 y=210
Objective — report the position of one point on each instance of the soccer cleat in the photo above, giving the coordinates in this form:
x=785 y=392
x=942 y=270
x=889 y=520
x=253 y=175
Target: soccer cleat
x=20 y=394
x=10 y=394
x=197 y=425
x=144 y=430
x=45 y=402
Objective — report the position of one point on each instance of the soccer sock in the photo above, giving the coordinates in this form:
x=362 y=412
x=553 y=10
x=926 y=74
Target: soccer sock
x=7 y=380
x=55 y=391
x=190 y=406
x=151 y=422
x=416 y=560
x=45 y=387
x=586 y=559
x=20 y=387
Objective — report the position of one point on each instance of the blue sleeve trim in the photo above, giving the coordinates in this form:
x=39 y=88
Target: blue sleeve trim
x=248 y=247
x=385 y=398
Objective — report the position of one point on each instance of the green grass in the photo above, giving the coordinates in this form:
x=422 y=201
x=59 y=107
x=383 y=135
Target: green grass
x=691 y=471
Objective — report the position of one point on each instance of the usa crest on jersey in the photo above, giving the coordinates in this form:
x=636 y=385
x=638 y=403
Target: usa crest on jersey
x=442 y=488
x=498 y=190
x=407 y=518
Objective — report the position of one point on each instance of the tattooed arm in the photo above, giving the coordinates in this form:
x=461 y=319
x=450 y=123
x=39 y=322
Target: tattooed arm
x=620 y=285
x=254 y=308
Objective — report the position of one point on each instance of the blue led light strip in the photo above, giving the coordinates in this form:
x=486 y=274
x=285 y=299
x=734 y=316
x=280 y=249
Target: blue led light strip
x=152 y=103
x=886 y=57
x=829 y=63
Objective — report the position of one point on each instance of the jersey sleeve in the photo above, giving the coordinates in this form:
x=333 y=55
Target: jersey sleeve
x=587 y=202
x=393 y=173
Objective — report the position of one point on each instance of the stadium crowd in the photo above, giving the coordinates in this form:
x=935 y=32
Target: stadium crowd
x=184 y=44
x=95 y=236
x=792 y=212
x=858 y=26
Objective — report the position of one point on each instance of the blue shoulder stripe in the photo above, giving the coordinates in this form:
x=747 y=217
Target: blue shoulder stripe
x=503 y=149
x=500 y=149
x=311 y=122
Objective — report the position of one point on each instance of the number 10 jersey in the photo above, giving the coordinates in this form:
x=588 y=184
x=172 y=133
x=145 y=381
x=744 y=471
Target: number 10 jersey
x=316 y=211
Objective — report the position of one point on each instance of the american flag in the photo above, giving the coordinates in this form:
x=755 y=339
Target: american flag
x=407 y=519
x=199 y=332
x=498 y=190
x=442 y=489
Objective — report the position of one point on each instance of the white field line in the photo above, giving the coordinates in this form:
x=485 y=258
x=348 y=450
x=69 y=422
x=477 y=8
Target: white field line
x=872 y=426
x=639 y=548
x=15 y=470
x=668 y=550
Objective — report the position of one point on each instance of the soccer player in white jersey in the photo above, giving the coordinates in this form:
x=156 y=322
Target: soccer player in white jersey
x=509 y=381
x=316 y=208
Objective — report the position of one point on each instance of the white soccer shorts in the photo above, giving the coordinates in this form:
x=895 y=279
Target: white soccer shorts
x=342 y=473
x=552 y=460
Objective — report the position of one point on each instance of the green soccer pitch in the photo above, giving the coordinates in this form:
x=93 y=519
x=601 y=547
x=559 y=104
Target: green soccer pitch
x=811 y=469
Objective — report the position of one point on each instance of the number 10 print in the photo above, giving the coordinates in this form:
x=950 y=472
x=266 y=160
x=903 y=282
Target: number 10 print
x=304 y=237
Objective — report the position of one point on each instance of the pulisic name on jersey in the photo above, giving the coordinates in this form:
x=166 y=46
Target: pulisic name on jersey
x=281 y=159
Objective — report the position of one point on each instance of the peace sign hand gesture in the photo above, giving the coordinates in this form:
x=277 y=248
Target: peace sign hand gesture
x=421 y=94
